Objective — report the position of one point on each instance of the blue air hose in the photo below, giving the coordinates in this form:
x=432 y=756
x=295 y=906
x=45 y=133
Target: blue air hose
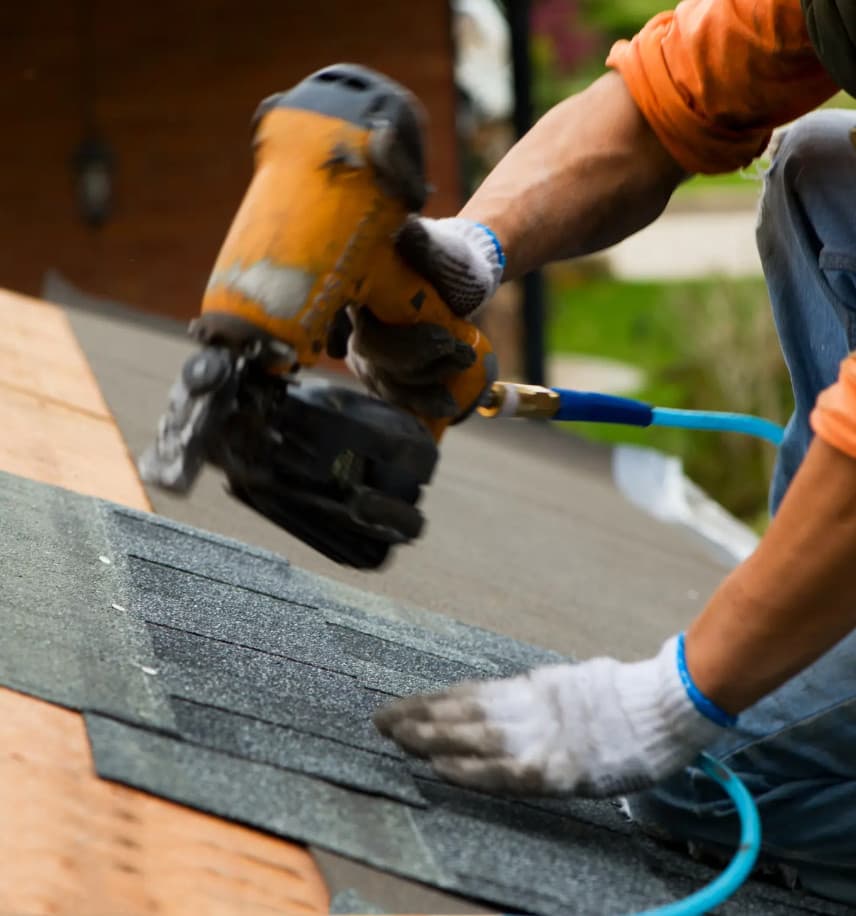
x=606 y=408
x=726 y=422
x=740 y=866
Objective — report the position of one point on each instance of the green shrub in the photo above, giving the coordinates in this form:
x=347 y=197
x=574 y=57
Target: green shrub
x=733 y=362
x=703 y=345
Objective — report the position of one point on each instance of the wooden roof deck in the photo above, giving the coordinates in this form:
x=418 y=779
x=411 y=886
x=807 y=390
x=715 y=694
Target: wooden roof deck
x=71 y=842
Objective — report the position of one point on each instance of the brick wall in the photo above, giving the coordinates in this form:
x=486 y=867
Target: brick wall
x=177 y=83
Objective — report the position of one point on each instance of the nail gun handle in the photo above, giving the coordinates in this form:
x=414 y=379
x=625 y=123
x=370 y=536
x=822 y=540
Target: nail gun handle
x=397 y=295
x=467 y=386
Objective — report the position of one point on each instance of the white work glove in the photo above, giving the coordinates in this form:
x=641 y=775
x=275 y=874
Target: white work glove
x=461 y=259
x=598 y=728
x=407 y=366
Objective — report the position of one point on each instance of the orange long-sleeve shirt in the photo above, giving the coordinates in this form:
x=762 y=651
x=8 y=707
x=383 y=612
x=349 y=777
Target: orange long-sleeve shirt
x=714 y=77
x=834 y=414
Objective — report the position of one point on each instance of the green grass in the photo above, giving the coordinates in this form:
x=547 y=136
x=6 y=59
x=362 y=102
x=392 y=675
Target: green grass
x=748 y=180
x=841 y=100
x=702 y=344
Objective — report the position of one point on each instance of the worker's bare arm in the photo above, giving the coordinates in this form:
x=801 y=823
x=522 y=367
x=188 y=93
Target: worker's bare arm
x=588 y=174
x=793 y=599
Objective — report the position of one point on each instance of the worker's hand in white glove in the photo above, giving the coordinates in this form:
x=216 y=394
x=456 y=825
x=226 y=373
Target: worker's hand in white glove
x=597 y=728
x=407 y=366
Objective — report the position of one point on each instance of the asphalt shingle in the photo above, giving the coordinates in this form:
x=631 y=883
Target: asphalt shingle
x=223 y=678
x=67 y=635
x=374 y=830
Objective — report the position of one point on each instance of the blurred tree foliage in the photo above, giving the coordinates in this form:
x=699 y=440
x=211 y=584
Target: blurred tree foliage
x=571 y=38
x=621 y=18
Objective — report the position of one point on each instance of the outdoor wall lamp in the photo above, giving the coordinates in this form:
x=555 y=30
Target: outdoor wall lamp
x=93 y=164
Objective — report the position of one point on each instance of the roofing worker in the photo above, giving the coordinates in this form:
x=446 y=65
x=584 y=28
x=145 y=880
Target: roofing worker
x=697 y=90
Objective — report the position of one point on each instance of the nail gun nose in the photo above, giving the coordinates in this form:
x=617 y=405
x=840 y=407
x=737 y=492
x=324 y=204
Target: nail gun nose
x=206 y=370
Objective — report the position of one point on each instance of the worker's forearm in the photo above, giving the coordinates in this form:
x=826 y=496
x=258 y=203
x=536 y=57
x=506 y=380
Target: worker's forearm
x=793 y=599
x=588 y=174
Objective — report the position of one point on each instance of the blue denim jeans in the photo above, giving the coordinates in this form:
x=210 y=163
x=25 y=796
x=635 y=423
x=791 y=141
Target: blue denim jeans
x=796 y=748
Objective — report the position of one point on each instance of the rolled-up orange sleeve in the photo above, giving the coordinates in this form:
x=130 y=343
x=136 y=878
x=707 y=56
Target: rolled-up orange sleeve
x=714 y=77
x=834 y=416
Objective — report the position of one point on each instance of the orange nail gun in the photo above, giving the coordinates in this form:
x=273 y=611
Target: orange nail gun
x=339 y=166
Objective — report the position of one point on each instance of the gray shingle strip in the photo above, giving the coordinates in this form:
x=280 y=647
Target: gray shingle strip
x=597 y=813
x=189 y=655
x=415 y=626
x=374 y=830
x=432 y=667
x=470 y=662
x=520 y=850
x=259 y=706
x=488 y=653
x=232 y=562
x=562 y=858
x=517 y=863
x=269 y=687
x=569 y=855
x=67 y=636
x=223 y=559
x=294 y=749
x=377 y=656
x=382 y=833
x=231 y=614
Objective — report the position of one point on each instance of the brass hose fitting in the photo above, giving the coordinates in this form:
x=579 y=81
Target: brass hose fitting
x=509 y=399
